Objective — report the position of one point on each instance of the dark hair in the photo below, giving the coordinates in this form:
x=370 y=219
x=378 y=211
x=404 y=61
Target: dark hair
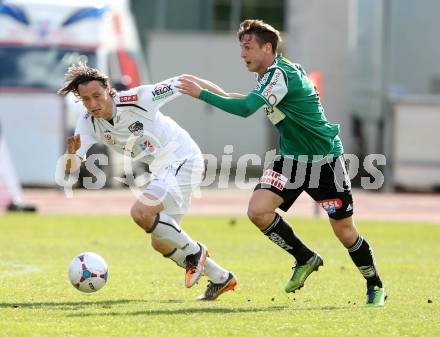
x=263 y=32
x=80 y=73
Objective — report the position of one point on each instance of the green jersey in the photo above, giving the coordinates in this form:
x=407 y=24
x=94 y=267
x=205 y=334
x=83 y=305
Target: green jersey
x=292 y=104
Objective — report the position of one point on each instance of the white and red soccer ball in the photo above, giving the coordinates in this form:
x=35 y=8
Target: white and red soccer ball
x=88 y=272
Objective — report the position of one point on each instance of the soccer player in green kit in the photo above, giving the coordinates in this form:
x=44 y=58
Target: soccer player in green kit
x=307 y=142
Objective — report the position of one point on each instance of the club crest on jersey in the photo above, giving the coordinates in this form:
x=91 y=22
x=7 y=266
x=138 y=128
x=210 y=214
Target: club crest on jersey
x=161 y=91
x=331 y=205
x=274 y=179
x=108 y=137
x=129 y=98
x=137 y=128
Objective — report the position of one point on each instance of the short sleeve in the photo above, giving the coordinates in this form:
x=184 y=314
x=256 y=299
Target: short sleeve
x=272 y=87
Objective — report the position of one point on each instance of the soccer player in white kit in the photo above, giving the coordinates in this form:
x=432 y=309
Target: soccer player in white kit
x=130 y=123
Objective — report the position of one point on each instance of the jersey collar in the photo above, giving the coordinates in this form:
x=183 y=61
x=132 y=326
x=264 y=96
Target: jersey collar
x=274 y=63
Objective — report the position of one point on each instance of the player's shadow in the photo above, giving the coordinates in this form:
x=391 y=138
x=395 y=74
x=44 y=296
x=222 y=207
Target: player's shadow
x=112 y=304
x=67 y=305
x=186 y=311
x=328 y=308
x=197 y=311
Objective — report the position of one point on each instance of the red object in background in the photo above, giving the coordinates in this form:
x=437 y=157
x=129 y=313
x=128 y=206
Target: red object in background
x=128 y=68
x=316 y=78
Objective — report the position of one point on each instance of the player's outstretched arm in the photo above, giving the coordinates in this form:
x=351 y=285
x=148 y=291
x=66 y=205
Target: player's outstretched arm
x=208 y=85
x=242 y=106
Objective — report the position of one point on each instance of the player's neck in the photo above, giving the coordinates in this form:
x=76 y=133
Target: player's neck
x=266 y=64
x=109 y=115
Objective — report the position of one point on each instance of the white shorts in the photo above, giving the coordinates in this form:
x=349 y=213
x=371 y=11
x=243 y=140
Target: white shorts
x=175 y=185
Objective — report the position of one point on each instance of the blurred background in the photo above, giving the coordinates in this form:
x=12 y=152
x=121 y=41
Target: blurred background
x=375 y=61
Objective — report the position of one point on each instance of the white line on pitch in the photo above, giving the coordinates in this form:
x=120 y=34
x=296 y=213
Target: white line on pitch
x=14 y=269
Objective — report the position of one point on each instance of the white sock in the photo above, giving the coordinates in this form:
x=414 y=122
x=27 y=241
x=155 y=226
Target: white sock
x=166 y=229
x=178 y=256
x=214 y=272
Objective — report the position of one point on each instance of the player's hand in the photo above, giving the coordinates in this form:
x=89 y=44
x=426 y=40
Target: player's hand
x=193 y=78
x=73 y=144
x=188 y=87
x=189 y=77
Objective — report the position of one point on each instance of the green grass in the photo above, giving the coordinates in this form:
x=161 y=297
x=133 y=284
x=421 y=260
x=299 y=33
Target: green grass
x=145 y=295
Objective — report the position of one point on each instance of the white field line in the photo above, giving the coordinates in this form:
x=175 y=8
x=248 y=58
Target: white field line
x=15 y=269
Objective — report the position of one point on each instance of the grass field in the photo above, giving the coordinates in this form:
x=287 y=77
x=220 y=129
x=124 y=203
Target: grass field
x=145 y=295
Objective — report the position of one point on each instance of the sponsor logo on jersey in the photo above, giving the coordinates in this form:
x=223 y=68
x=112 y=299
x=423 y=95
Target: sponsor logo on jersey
x=274 y=179
x=161 y=91
x=268 y=90
x=331 y=205
x=129 y=98
x=147 y=147
x=108 y=137
x=137 y=128
x=264 y=78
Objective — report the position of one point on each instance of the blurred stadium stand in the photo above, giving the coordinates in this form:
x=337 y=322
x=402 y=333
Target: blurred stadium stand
x=365 y=50
x=372 y=62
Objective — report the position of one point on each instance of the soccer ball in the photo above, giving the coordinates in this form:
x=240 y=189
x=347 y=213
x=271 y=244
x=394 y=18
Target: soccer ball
x=88 y=272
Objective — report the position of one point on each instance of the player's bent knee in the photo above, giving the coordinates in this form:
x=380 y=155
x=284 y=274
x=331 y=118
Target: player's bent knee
x=262 y=206
x=257 y=217
x=136 y=213
x=252 y=213
x=143 y=216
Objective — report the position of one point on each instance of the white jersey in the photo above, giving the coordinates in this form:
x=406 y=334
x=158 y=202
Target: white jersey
x=139 y=129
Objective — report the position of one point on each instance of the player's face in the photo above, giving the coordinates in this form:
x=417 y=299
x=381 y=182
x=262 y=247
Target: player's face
x=256 y=57
x=96 y=98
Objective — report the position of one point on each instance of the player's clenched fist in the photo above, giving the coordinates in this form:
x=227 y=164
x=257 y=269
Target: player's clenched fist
x=73 y=144
x=73 y=162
